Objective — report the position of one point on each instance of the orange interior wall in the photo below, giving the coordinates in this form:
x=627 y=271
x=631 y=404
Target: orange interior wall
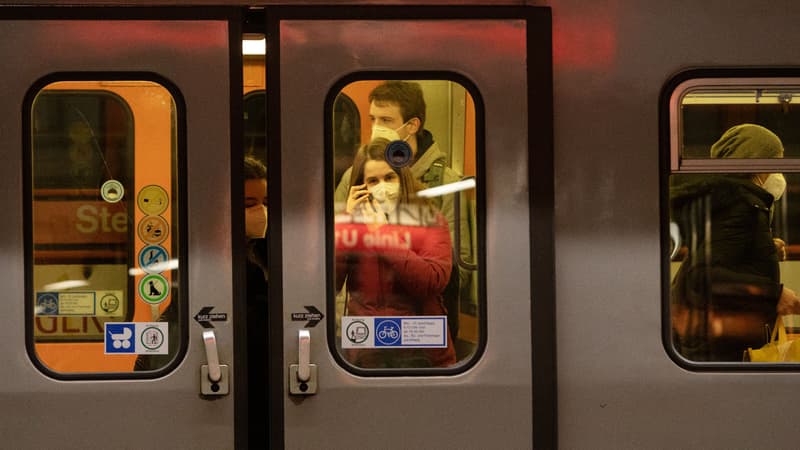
x=254 y=75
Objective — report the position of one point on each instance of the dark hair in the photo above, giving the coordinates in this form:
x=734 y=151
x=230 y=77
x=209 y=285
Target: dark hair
x=254 y=169
x=376 y=151
x=407 y=95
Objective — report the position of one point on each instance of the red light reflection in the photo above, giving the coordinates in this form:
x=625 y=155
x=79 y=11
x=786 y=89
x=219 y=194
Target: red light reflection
x=587 y=40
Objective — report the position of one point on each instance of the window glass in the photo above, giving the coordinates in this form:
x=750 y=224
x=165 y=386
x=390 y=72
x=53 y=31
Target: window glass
x=102 y=268
x=404 y=230
x=734 y=205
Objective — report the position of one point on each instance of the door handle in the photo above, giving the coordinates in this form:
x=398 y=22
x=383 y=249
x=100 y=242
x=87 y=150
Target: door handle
x=213 y=376
x=303 y=375
x=212 y=356
x=304 y=355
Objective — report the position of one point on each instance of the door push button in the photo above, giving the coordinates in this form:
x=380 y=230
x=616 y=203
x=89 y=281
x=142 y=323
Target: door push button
x=303 y=375
x=214 y=379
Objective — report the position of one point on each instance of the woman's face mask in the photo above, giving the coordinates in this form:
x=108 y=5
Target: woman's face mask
x=386 y=194
x=255 y=219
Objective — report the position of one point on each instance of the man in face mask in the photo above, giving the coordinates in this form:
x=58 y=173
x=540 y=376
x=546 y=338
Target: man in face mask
x=397 y=113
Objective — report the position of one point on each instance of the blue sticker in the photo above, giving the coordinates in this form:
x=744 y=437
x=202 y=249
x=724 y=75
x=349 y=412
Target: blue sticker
x=153 y=259
x=387 y=332
x=46 y=303
x=120 y=338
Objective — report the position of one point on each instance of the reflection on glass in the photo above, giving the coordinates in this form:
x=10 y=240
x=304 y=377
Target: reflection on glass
x=103 y=225
x=405 y=263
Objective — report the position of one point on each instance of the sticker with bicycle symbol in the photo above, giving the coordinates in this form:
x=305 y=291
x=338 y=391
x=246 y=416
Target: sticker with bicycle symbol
x=394 y=332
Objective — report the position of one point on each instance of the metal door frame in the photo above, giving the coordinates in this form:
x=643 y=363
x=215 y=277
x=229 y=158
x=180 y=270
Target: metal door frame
x=541 y=192
x=232 y=15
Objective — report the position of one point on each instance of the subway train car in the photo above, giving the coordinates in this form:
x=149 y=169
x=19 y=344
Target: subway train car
x=398 y=225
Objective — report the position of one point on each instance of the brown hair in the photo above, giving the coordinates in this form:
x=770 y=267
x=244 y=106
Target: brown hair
x=407 y=95
x=254 y=169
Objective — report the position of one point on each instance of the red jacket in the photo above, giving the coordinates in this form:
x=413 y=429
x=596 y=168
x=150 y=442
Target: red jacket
x=395 y=270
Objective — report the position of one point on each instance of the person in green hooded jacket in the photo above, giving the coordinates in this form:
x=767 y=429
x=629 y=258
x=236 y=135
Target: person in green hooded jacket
x=728 y=287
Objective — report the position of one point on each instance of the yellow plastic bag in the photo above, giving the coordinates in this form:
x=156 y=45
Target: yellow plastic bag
x=779 y=349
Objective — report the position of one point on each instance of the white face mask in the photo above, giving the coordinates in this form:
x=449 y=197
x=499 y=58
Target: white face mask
x=379 y=131
x=386 y=194
x=775 y=184
x=255 y=221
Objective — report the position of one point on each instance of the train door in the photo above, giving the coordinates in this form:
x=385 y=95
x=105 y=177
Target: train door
x=117 y=275
x=404 y=229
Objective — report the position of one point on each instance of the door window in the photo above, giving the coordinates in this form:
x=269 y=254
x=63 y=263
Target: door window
x=733 y=210
x=102 y=262
x=405 y=266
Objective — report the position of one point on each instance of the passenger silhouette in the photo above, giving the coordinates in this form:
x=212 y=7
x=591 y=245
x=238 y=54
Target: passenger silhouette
x=729 y=286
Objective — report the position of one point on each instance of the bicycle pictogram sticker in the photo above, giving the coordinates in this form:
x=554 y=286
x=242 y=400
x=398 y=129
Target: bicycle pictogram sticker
x=387 y=332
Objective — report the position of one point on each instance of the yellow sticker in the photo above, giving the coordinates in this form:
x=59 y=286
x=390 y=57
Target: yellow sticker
x=109 y=304
x=152 y=200
x=153 y=229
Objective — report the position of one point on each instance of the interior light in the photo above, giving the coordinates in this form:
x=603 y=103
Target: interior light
x=165 y=266
x=463 y=185
x=254 y=47
x=67 y=284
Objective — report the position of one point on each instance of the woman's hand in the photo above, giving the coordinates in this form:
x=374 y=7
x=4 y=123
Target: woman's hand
x=358 y=202
x=359 y=195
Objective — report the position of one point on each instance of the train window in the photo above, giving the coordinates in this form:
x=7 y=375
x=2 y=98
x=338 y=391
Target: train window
x=404 y=271
x=102 y=261
x=734 y=205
